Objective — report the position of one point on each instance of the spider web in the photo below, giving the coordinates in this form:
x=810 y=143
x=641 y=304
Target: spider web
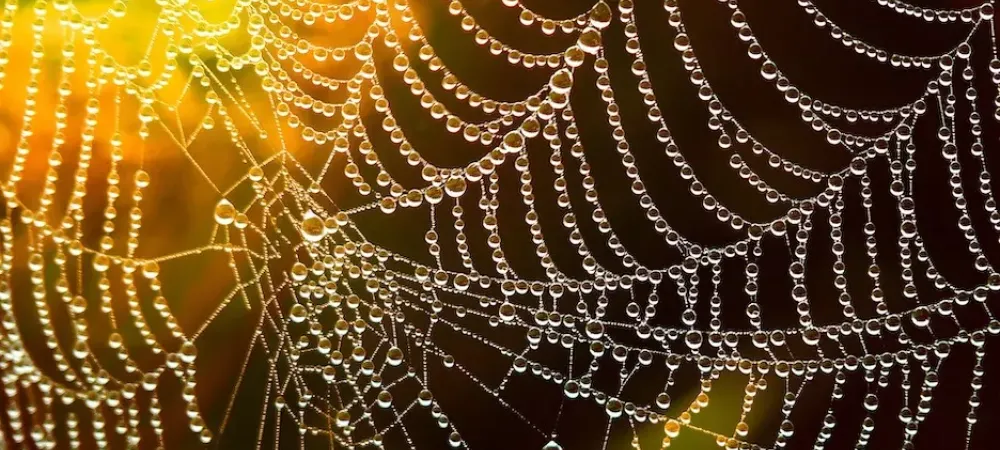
x=352 y=344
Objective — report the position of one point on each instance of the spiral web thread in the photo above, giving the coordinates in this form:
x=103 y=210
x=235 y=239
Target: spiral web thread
x=348 y=327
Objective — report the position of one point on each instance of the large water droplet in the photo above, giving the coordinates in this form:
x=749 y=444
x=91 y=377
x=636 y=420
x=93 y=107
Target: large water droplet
x=225 y=212
x=312 y=227
x=507 y=312
x=590 y=40
x=298 y=313
x=561 y=81
x=455 y=186
x=600 y=16
x=394 y=356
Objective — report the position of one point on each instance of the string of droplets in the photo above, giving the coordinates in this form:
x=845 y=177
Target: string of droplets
x=369 y=345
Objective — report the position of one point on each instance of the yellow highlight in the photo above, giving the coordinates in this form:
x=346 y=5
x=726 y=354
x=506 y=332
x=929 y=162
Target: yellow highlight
x=672 y=428
x=702 y=400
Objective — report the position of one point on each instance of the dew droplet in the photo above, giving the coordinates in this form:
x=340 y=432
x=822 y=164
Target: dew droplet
x=394 y=356
x=312 y=227
x=590 y=41
x=561 y=82
x=507 y=312
x=455 y=186
x=298 y=313
x=600 y=15
x=574 y=56
x=225 y=212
